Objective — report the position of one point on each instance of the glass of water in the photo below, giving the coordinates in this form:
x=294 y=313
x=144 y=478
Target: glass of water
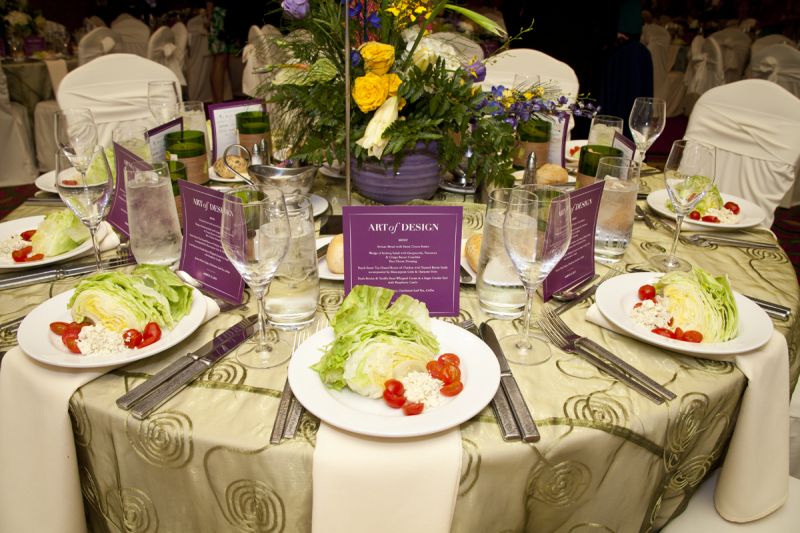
x=132 y=137
x=603 y=128
x=162 y=100
x=617 y=207
x=155 y=232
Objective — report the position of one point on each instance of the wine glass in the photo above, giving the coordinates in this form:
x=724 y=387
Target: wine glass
x=646 y=122
x=88 y=190
x=255 y=236
x=536 y=232
x=76 y=134
x=688 y=175
x=162 y=100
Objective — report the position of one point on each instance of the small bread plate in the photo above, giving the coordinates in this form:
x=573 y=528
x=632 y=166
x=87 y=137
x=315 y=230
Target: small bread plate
x=16 y=227
x=47 y=182
x=212 y=175
x=318 y=204
x=617 y=296
x=465 y=264
x=322 y=265
x=38 y=342
x=519 y=174
x=749 y=215
x=480 y=374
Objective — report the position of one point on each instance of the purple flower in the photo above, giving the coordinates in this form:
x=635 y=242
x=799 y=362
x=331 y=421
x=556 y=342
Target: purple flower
x=497 y=92
x=296 y=9
x=355 y=11
x=374 y=20
x=562 y=100
x=477 y=70
x=355 y=58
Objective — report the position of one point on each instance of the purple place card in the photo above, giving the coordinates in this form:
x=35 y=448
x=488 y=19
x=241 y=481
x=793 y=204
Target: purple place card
x=223 y=123
x=33 y=44
x=123 y=159
x=577 y=265
x=414 y=250
x=156 y=138
x=623 y=143
x=202 y=256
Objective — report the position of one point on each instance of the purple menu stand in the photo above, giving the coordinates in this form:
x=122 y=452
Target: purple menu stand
x=33 y=44
x=223 y=123
x=118 y=214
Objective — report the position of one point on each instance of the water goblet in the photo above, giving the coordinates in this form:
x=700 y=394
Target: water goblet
x=688 y=176
x=536 y=232
x=162 y=100
x=603 y=128
x=87 y=191
x=255 y=235
x=646 y=122
x=76 y=134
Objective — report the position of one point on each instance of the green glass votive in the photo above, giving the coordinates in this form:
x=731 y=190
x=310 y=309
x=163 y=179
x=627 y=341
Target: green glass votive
x=589 y=158
x=253 y=128
x=189 y=146
x=177 y=171
x=534 y=136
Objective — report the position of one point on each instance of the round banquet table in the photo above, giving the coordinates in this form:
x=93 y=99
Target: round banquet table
x=29 y=81
x=608 y=459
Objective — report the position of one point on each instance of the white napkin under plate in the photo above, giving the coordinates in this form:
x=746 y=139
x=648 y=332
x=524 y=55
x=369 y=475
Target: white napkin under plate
x=754 y=480
x=368 y=484
x=39 y=485
x=107 y=239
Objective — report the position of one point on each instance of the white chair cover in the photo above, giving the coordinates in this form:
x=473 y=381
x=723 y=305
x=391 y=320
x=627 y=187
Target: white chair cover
x=43 y=117
x=135 y=34
x=657 y=40
x=16 y=146
x=755 y=125
x=467 y=49
x=98 y=42
x=198 y=63
x=260 y=50
x=794 y=432
x=768 y=40
x=115 y=89
x=95 y=22
x=735 y=46
x=779 y=63
x=163 y=50
x=505 y=66
x=704 y=72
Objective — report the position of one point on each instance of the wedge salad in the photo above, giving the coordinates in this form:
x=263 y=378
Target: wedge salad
x=688 y=306
x=388 y=351
x=712 y=208
x=60 y=232
x=114 y=311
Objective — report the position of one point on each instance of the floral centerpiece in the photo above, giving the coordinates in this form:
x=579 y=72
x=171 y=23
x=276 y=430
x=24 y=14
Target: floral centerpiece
x=410 y=91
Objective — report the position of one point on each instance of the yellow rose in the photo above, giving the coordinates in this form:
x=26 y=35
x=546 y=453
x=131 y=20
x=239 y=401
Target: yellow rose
x=370 y=91
x=378 y=57
x=393 y=82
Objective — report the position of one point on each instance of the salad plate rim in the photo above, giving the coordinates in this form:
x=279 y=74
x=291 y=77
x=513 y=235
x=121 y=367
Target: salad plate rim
x=481 y=374
x=46 y=182
x=616 y=296
x=33 y=222
x=657 y=201
x=47 y=349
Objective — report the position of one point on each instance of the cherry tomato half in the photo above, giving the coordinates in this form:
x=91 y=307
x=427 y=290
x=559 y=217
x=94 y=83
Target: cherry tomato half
x=710 y=218
x=151 y=334
x=647 y=292
x=451 y=389
x=664 y=332
x=27 y=235
x=35 y=257
x=411 y=409
x=59 y=328
x=20 y=255
x=678 y=333
x=450 y=359
x=132 y=338
x=395 y=401
x=450 y=374
x=395 y=387
x=70 y=340
x=435 y=369
x=733 y=207
x=692 y=336
x=69 y=183
x=694 y=215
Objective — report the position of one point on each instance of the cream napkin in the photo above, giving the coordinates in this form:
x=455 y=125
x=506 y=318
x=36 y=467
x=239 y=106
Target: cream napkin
x=754 y=480
x=107 y=238
x=57 y=69
x=39 y=486
x=366 y=484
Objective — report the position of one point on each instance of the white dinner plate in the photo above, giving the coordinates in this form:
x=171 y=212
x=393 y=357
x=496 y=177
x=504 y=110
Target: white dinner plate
x=617 y=296
x=13 y=227
x=569 y=146
x=318 y=204
x=38 y=342
x=347 y=410
x=465 y=264
x=749 y=215
x=322 y=265
x=332 y=171
x=212 y=174
x=47 y=182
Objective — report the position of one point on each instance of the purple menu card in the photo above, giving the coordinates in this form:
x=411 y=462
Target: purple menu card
x=123 y=159
x=414 y=250
x=156 y=138
x=577 y=265
x=626 y=145
x=202 y=256
x=223 y=123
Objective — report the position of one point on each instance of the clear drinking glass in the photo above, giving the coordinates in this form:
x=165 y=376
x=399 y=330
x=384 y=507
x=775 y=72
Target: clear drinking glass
x=689 y=174
x=617 y=207
x=87 y=191
x=162 y=100
x=255 y=235
x=132 y=137
x=537 y=229
x=646 y=122
x=76 y=134
x=603 y=129
x=155 y=233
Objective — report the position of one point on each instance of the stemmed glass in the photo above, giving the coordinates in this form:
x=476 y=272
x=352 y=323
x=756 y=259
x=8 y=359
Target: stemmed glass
x=76 y=134
x=536 y=232
x=87 y=189
x=162 y=100
x=255 y=236
x=646 y=122
x=688 y=175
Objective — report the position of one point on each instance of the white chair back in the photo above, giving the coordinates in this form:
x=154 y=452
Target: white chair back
x=95 y=22
x=467 y=49
x=115 y=89
x=657 y=40
x=135 y=34
x=779 y=63
x=163 y=50
x=16 y=146
x=755 y=126
x=768 y=40
x=735 y=46
x=503 y=68
x=198 y=62
x=98 y=42
x=181 y=43
x=260 y=50
x=705 y=70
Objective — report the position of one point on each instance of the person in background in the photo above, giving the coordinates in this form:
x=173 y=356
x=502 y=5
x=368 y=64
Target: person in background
x=224 y=40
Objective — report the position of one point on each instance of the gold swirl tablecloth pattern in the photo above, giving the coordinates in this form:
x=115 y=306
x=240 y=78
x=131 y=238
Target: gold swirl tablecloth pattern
x=608 y=460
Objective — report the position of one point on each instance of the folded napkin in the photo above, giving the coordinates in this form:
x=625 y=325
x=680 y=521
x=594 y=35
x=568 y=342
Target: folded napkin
x=40 y=487
x=754 y=480
x=367 y=484
x=107 y=238
x=57 y=69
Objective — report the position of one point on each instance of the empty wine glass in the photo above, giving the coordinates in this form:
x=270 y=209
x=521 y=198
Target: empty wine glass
x=688 y=175
x=86 y=191
x=255 y=236
x=646 y=122
x=536 y=232
x=76 y=134
x=162 y=100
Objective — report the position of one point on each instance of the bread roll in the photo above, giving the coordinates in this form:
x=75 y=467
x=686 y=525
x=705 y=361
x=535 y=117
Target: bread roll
x=473 y=250
x=335 y=255
x=237 y=162
x=550 y=174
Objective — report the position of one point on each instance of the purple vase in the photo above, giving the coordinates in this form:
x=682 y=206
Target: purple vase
x=417 y=177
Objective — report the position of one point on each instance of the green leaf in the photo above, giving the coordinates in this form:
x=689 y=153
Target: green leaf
x=484 y=22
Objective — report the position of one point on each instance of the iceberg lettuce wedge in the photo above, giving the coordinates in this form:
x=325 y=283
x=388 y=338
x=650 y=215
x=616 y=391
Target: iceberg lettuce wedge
x=59 y=233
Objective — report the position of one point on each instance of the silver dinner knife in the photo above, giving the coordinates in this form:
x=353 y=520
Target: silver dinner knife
x=217 y=347
x=12 y=281
x=530 y=433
